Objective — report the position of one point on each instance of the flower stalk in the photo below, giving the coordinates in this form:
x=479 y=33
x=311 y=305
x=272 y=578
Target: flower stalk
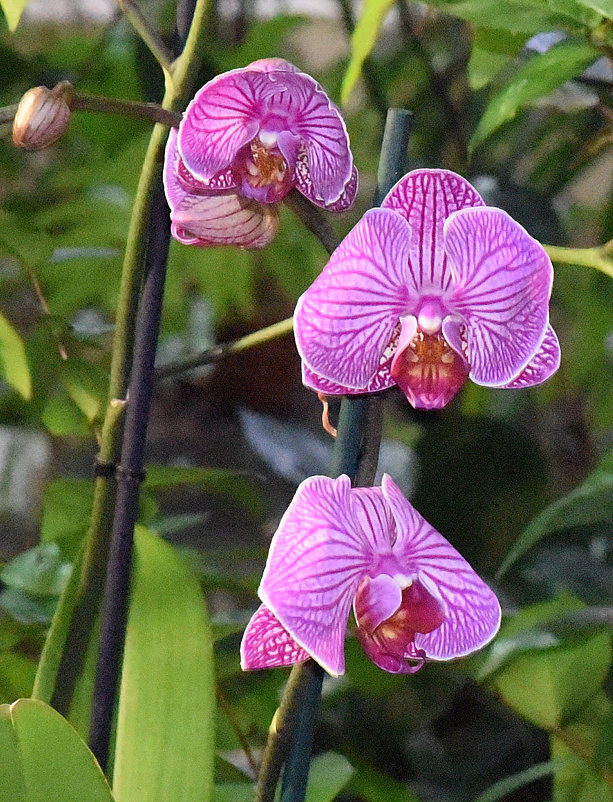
x=73 y=623
x=356 y=454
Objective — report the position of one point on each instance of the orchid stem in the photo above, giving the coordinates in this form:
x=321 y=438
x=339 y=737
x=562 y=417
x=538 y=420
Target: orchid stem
x=147 y=33
x=128 y=108
x=596 y=258
x=73 y=623
x=218 y=352
x=313 y=219
x=356 y=453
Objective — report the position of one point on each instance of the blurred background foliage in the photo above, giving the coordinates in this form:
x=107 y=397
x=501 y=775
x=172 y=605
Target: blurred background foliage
x=517 y=96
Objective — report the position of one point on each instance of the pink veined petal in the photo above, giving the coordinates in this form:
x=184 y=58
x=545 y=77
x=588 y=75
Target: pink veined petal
x=472 y=609
x=426 y=198
x=344 y=322
x=316 y=560
x=304 y=184
x=542 y=365
x=224 y=219
x=267 y=644
x=320 y=126
x=223 y=117
x=178 y=180
x=503 y=279
x=382 y=380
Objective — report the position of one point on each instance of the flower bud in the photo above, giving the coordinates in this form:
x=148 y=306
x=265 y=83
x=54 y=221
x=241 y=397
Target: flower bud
x=42 y=116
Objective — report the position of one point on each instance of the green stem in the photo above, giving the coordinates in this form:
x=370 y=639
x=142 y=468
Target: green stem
x=63 y=656
x=356 y=454
x=596 y=258
x=218 y=352
x=128 y=108
x=147 y=33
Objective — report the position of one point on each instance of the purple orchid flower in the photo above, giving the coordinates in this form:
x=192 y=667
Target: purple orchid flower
x=247 y=138
x=415 y=598
x=427 y=291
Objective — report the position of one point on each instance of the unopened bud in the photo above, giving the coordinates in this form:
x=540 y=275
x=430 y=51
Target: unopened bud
x=42 y=116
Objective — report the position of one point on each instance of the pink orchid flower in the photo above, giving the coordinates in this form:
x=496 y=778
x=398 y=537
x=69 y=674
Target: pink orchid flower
x=415 y=598
x=247 y=138
x=429 y=290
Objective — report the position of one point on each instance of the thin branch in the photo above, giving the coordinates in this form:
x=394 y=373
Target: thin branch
x=313 y=219
x=218 y=352
x=240 y=735
x=147 y=33
x=128 y=108
x=596 y=258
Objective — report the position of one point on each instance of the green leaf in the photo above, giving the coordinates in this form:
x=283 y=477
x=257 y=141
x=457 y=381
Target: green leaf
x=66 y=513
x=549 y=686
x=363 y=41
x=576 y=780
x=165 y=728
x=491 y=51
x=17 y=674
x=40 y=570
x=591 y=502
x=86 y=384
x=215 y=480
x=13 y=360
x=44 y=759
x=520 y=16
x=234 y=792
x=508 y=785
x=540 y=76
x=604 y=7
x=13 y=9
x=328 y=775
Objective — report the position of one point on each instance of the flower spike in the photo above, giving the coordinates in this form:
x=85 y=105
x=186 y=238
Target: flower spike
x=414 y=596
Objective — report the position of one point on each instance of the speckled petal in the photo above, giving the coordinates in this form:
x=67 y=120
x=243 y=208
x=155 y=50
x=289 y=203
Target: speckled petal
x=472 y=611
x=426 y=198
x=223 y=117
x=305 y=186
x=316 y=560
x=317 y=121
x=503 y=281
x=267 y=644
x=542 y=365
x=344 y=322
x=382 y=380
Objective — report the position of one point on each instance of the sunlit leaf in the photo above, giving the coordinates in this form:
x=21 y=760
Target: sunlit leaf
x=165 y=728
x=328 y=775
x=363 y=40
x=13 y=361
x=44 y=759
x=491 y=51
x=66 y=513
x=540 y=76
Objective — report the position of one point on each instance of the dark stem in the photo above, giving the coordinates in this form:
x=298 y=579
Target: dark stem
x=128 y=108
x=313 y=219
x=356 y=454
x=129 y=477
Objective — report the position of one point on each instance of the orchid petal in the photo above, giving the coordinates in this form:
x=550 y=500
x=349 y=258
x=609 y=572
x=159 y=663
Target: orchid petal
x=223 y=117
x=224 y=219
x=304 y=184
x=345 y=320
x=542 y=365
x=388 y=662
x=317 y=121
x=267 y=644
x=426 y=198
x=382 y=380
x=503 y=280
x=379 y=597
x=317 y=558
x=472 y=611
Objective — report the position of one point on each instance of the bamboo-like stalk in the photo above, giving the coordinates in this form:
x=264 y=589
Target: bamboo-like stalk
x=288 y=748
